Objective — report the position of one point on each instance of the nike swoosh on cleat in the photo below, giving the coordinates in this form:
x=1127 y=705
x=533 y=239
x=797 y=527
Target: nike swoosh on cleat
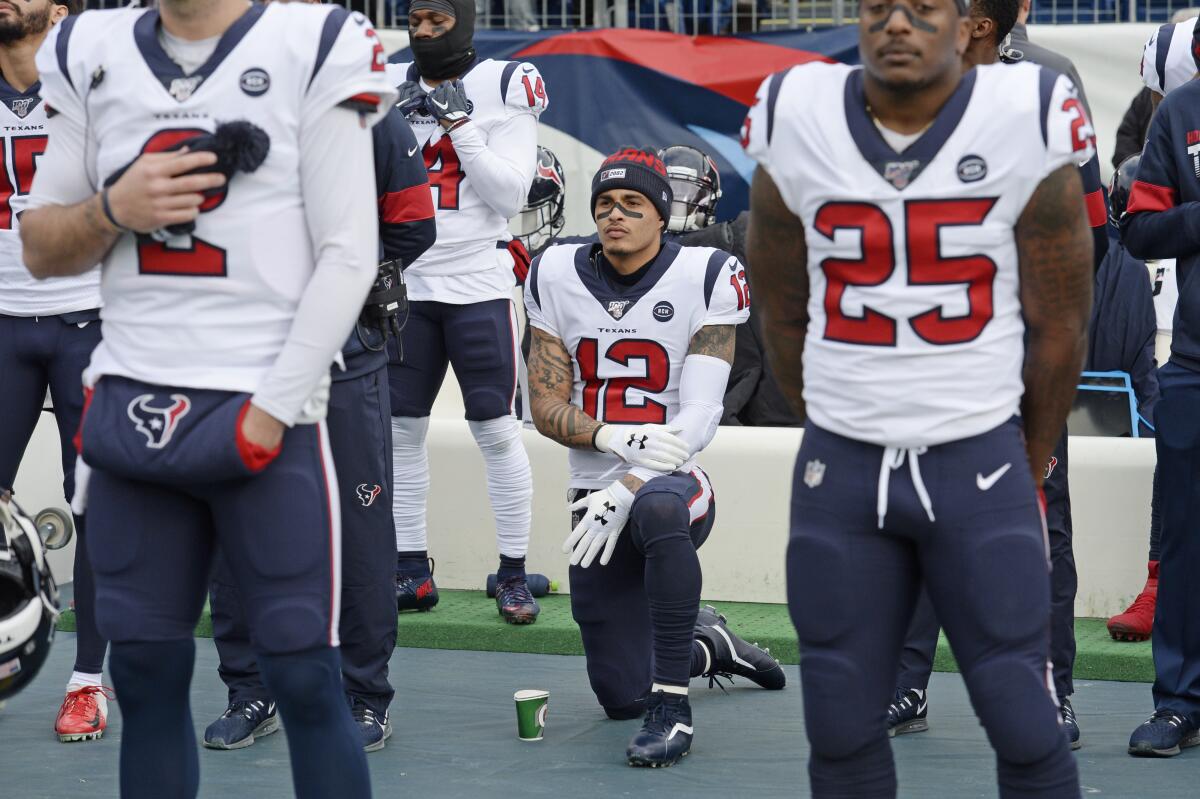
x=985 y=483
x=680 y=727
x=921 y=707
x=413 y=150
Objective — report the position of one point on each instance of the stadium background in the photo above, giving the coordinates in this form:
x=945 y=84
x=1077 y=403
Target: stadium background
x=618 y=85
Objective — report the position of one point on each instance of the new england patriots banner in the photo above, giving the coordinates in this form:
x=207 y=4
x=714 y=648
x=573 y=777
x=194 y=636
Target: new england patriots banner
x=618 y=86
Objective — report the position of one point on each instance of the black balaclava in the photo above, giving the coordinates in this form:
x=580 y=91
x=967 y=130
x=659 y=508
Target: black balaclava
x=449 y=55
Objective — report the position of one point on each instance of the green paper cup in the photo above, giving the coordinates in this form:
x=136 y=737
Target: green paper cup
x=531 y=713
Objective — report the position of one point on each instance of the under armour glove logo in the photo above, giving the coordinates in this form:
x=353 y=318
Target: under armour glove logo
x=636 y=441
x=603 y=516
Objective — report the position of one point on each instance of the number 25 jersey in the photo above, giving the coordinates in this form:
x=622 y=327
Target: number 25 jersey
x=213 y=308
x=628 y=343
x=915 y=334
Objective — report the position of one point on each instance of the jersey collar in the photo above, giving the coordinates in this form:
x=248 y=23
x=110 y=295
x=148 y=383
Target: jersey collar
x=617 y=299
x=169 y=74
x=19 y=103
x=901 y=169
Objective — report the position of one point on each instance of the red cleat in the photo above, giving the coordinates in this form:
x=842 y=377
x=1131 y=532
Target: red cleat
x=1137 y=621
x=84 y=714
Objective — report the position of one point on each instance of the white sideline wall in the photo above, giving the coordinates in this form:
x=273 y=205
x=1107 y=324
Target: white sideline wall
x=751 y=471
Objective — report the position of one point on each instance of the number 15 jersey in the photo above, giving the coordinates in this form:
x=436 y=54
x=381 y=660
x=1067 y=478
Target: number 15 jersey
x=915 y=335
x=628 y=343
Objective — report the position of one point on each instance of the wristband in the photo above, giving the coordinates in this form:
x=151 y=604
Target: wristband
x=108 y=212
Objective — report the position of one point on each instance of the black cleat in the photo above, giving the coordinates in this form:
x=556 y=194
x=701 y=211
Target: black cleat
x=241 y=724
x=416 y=591
x=666 y=733
x=1069 y=722
x=908 y=712
x=1164 y=734
x=515 y=603
x=733 y=656
x=374 y=730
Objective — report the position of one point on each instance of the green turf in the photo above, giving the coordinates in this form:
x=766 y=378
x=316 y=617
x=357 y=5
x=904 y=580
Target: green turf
x=468 y=620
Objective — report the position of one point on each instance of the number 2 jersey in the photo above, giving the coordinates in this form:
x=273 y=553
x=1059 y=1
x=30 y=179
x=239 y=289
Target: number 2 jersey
x=23 y=139
x=915 y=333
x=628 y=343
x=214 y=308
x=464 y=264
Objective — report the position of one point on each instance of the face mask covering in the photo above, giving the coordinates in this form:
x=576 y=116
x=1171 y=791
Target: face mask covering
x=449 y=55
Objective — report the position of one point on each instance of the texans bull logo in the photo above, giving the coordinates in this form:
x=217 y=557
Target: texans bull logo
x=157 y=424
x=367 y=493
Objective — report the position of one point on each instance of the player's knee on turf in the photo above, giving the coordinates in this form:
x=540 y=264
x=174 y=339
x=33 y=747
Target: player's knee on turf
x=839 y=716
x=496 y=435
x=1012 y=701
x=613 y=690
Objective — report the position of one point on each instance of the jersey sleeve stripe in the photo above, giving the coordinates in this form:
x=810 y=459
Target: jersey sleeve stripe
x=407 y=205
x=531 y=282
x=715 y=262
x=772 y=95
x=506 y=78
x=1096 y=210
x=1047 y=78
x=1148 y=197
x=329 y=33
x=60 y=47
x=1162 y=50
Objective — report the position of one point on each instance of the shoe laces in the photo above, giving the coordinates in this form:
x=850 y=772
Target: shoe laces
x=659 y=710
x=245 y=708
x=1144 y=603
x=1068 y=712
x=514 y=590
x=83 y=700
x=362 y=713
x=1172 y=717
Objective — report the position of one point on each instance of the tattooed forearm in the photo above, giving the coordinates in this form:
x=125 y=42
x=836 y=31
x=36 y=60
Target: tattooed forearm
x=716 y=341
x=1054 y=245
x=777 y=263
x=551 y=374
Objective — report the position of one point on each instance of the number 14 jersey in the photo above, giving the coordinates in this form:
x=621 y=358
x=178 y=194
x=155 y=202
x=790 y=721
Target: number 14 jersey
x=628 y=343
x=915 y=335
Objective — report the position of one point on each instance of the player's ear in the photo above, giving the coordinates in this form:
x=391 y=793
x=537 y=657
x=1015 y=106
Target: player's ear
x=58 y=12
x=981 y=28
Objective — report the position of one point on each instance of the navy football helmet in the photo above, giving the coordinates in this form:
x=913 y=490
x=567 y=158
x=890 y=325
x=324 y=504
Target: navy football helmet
x=697 y=186
x=542 y=217
x=1119 y=187
x=28 y=595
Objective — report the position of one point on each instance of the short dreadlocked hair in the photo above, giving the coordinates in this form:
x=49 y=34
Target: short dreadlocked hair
x=1002 y=12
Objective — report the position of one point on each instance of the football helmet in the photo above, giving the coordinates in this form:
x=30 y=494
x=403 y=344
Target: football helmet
x=542 y=217
x=1119 y=187
x=28 y=595
x=697 y=185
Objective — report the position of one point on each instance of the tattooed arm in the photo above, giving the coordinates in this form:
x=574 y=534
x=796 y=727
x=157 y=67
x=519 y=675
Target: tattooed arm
x=715 y=341
x=778 y=261
x=1054 y=247
x=551 y=374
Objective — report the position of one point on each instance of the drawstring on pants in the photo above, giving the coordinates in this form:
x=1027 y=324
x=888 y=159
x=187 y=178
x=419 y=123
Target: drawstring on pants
x=893 y=458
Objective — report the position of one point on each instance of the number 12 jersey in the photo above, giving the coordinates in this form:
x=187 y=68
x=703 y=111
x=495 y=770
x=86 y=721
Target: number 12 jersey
x=915 y=334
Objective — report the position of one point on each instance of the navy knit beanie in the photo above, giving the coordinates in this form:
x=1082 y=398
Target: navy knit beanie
x=638 y=169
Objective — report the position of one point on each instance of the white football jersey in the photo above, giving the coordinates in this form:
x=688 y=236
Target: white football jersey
x=212 y=309
x=23 y=139
x=464 y=264
x=915 y=335
x=628 y=343
x=1167 y=58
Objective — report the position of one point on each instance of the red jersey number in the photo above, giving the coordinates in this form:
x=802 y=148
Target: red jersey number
x=445 y=172
x=608 y=400
x=535 y=92
x=923 y=220
x=22 y=153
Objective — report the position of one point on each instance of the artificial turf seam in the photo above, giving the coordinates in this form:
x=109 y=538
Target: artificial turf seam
x=468 y=620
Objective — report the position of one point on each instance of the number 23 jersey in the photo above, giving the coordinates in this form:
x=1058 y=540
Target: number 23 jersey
x=628 y=343
x=915 y=334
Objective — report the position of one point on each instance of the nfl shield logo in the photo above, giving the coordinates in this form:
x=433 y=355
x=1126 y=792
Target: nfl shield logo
x=814 y=473
x=616 y=308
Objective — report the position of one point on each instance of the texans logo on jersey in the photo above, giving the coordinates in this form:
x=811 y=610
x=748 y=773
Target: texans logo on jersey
x=157 y=424
x=367 y=493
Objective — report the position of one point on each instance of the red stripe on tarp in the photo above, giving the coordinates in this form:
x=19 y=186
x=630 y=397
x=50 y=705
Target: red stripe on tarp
x=413 y=204
x=1148 y=197
x=732 y=67
x=1097 y=213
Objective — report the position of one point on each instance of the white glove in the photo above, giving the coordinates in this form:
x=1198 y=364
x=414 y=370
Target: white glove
x=653 y=446
x=604 y=515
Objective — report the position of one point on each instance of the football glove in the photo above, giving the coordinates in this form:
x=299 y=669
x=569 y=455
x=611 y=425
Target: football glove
x=411 y=99
x=653 y=446
x=604 y=515
x=448 y=103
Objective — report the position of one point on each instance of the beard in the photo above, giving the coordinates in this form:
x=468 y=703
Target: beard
x=24 y=24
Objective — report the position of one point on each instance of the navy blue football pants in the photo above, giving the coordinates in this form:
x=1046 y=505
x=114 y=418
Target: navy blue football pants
x=853 y=582
x=637 y=614
x=916 y=659
x=360 y=436
x=1176 y=635
x=51 y=352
